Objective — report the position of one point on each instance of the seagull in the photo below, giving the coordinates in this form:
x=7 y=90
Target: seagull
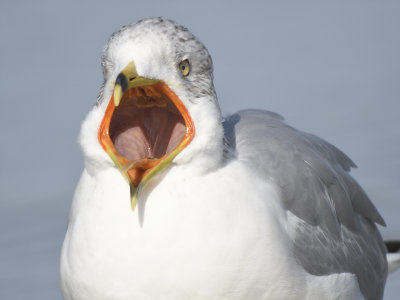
x=177 y=202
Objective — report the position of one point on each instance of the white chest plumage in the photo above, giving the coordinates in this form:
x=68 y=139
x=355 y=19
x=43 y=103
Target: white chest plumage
x=190 y=242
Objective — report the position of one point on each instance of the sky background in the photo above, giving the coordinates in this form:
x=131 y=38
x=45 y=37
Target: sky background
x=331 y=68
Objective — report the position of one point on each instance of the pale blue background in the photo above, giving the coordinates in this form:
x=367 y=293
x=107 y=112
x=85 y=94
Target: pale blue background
x=330 y=67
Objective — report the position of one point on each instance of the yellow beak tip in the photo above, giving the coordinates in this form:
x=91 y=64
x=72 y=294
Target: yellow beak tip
x=117 y=94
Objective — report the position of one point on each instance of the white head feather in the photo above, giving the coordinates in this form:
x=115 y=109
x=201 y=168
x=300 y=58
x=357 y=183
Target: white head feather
x=157 y=46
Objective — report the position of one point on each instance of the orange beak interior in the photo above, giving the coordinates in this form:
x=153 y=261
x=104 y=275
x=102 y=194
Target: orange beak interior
x=150 y=125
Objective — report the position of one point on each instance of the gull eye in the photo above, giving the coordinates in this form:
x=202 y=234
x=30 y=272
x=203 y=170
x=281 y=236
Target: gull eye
x=184 y=66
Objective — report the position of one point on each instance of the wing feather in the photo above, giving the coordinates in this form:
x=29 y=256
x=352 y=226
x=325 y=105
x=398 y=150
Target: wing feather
x=334 y=229
x=312 y=173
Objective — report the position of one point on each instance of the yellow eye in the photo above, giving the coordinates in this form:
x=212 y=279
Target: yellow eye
x=184 y=66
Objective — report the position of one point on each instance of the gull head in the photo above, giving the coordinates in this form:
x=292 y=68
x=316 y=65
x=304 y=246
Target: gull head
x=157 y=106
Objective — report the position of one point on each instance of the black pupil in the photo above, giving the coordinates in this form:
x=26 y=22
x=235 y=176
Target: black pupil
x=183 y=67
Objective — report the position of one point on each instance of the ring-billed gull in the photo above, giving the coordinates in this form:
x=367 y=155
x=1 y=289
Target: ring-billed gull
x=244 y=207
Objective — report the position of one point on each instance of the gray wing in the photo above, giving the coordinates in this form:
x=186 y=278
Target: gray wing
x=336 y=232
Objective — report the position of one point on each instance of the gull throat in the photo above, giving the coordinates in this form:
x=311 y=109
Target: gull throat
x=145 y=130
x=146 y=125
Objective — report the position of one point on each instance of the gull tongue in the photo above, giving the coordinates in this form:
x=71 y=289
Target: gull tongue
x=158 y=131
x=133 y=144
x=152 y=135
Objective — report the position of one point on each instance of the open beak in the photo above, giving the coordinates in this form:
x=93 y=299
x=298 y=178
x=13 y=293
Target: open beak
x=144 y=128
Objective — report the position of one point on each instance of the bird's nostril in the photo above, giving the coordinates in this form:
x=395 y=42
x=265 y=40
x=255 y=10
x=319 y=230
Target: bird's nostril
x=132 y=78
